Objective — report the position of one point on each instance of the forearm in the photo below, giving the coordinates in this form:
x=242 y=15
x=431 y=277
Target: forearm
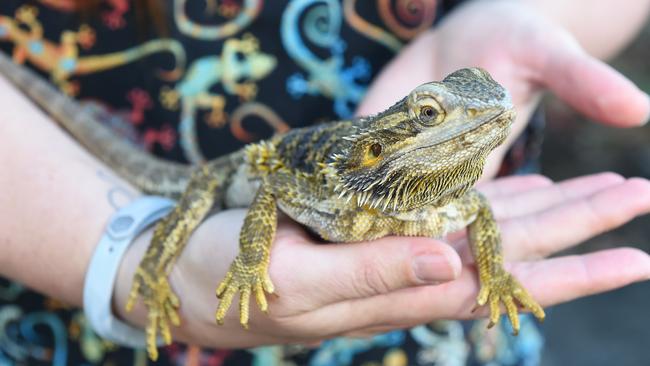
x=603 y=28
x=54 y=202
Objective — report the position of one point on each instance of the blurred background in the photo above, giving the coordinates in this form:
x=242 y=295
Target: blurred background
x=613 y=328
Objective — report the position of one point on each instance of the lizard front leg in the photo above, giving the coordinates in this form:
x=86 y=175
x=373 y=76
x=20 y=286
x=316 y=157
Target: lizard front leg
x=473 y=210
x=170 y=236
x=497 y=285
x=248 y=273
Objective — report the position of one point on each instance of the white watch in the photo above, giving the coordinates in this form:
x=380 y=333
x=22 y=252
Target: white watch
x=124 y=226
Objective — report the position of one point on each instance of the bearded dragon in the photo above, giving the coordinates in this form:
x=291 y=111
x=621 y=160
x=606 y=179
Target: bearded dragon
x=409 y=170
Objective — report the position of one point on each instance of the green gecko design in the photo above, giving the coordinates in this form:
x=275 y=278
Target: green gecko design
x=62 y=60
x=193 y=91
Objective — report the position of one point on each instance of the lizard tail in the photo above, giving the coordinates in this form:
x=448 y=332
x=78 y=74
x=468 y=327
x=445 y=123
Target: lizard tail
x=145 y=171
x=92 y=64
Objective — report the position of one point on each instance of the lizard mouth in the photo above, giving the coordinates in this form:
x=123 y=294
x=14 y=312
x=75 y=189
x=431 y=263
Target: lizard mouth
x=397 y=178
x=462 y=128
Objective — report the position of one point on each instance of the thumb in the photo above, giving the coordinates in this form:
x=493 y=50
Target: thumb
x=366 y=269
x=593 y=88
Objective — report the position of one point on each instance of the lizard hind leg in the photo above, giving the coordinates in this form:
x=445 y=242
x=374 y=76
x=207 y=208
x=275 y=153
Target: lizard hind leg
x=169 y=239
x=248 y=273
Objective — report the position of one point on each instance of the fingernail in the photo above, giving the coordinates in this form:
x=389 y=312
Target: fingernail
x=433 y=268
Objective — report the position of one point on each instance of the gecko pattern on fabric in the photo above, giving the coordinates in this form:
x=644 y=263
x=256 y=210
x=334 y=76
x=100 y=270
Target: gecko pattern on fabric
x=229 y=72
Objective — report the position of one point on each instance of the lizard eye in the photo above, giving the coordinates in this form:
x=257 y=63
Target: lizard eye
x=375 y=149
x=428 y=113
x=425 y=110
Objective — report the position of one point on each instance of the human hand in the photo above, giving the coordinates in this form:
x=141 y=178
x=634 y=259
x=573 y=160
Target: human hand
x=328 y=290
x=524 y=52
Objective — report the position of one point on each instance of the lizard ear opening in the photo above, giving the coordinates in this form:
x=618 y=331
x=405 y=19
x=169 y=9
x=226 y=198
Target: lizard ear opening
x=375 y=149
x=362 y=155
x=357 y=165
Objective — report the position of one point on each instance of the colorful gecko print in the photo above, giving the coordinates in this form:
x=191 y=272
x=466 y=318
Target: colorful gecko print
x=411 y=18
x=241 y=20
x=321 y=24
x=26 y=332
x=62 y=60
x=254 y=68
x=124 y=121
x=113 y=17
x=227 y=69
x=262 y=112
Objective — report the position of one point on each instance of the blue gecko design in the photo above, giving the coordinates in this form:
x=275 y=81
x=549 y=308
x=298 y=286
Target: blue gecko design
x=239 y=66
x=341 y=351
x=334 y=352
x=321 y=25
x=23 y=342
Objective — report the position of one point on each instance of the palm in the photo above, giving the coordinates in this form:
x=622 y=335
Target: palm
x=327 y=290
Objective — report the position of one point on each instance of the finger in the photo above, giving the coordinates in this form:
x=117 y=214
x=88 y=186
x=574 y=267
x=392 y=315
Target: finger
x=507 y=186
x=567 y=278
x=560 y=227
x=550 y=282
x=594 y=88
x=534 y=200
x=366 y=269
x=369 y=332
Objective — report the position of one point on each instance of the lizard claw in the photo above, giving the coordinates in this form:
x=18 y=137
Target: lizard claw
x=246 y=280
x=504 y=289
x=162 y=307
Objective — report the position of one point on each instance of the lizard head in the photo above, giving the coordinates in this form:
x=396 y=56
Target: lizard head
x=428 y=148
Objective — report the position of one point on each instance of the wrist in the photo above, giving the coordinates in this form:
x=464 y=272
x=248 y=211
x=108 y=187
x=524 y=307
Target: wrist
x=123 y=281
x=99 y=285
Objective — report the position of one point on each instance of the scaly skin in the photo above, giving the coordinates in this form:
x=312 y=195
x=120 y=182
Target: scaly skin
x=406 y=171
